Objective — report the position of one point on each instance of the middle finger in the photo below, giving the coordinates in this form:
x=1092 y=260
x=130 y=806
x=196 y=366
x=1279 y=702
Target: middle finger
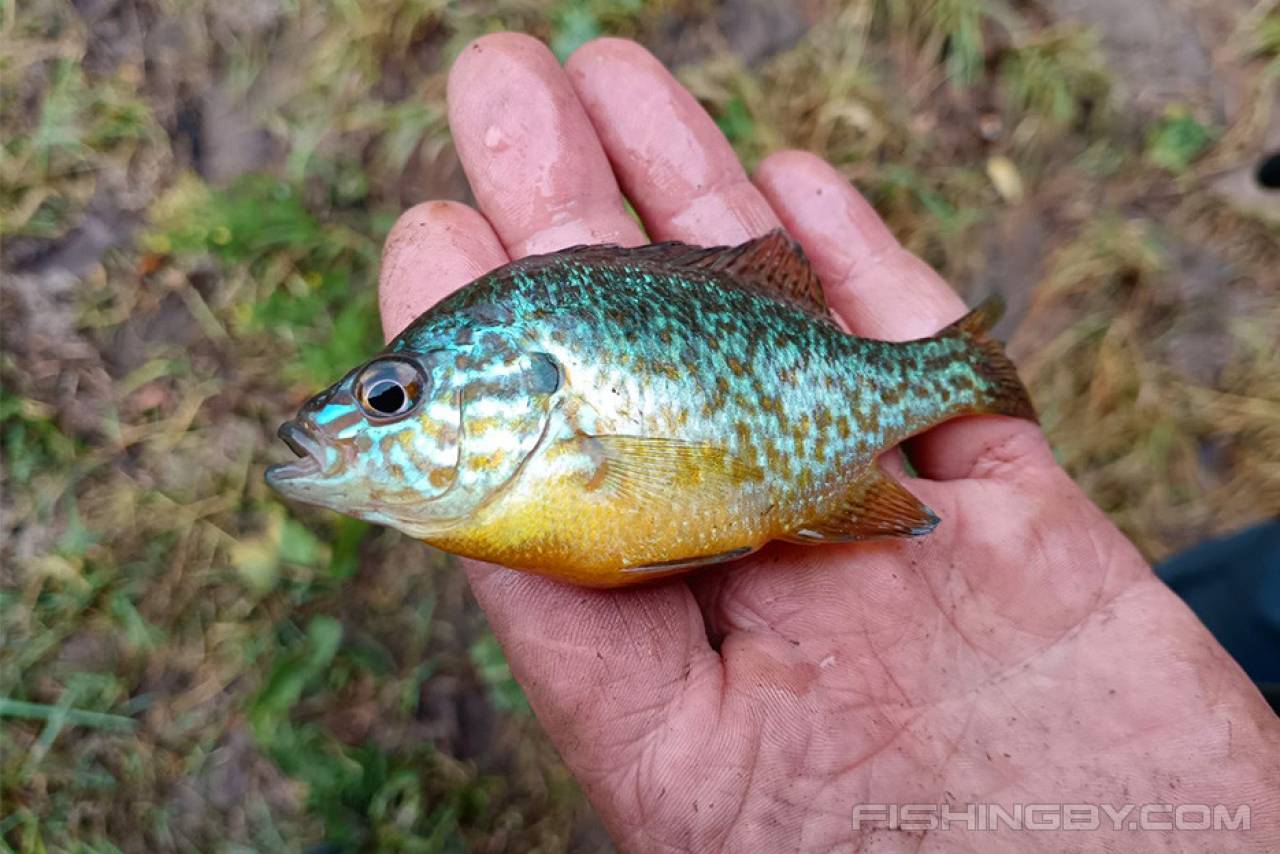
x=529 y=151
x=676 y=166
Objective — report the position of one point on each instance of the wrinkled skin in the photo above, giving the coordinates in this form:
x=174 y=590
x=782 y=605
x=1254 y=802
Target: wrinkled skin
x=1023 y=652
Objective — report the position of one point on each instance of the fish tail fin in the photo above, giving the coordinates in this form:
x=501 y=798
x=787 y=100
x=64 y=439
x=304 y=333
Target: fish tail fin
x=1002 y=391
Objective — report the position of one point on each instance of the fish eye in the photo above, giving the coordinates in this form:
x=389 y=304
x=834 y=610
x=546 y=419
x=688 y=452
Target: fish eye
x=389 y=388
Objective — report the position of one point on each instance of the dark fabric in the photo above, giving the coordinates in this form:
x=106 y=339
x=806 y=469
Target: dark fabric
x=1233 y=585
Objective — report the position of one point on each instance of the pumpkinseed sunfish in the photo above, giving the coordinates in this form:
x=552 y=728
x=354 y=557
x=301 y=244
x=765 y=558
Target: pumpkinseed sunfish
x=608 y=416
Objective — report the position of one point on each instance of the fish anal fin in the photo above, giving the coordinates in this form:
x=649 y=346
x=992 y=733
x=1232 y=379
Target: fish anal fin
x=654 y=469
x=875 y=505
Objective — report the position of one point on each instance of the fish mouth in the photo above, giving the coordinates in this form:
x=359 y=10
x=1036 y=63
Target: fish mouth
x=306 y=446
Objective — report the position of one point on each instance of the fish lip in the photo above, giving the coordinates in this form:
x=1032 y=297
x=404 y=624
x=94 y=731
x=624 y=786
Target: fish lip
x=306 y=446
x=299 y=439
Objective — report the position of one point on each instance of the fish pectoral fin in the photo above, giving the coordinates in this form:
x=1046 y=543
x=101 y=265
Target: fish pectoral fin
x=654 y=469
x=875 y=505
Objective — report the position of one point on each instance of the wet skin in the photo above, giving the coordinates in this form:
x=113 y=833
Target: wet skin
x=1022 y=653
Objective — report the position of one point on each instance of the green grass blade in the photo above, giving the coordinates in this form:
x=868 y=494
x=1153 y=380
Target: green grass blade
x=73 y=717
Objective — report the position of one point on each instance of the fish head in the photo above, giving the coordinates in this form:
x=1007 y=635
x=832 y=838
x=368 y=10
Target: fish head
x=382 y=439
x=418 y=441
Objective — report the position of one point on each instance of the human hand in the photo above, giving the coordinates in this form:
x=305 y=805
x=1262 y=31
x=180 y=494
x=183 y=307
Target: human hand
x=1021 y=653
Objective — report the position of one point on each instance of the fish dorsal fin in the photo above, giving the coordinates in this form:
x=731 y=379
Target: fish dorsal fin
x=773 y=265
x=875 y=505
x=979 y=321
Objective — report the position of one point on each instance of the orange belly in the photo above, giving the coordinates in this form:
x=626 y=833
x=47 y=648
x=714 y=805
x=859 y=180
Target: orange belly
x=596 y=538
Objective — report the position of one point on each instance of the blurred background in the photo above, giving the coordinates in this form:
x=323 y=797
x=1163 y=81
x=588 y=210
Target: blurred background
x=193 y=195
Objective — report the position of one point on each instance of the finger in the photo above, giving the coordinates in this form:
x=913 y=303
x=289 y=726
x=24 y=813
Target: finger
x=883 y=291
x=432 y=250
x=535 y=165
x=599 y=667
x=675 y=165
x=677 y=169
x=603 y=654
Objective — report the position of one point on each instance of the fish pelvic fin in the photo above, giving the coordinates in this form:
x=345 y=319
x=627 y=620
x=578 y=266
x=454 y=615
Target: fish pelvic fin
x=874 y=506
x=1002 y=391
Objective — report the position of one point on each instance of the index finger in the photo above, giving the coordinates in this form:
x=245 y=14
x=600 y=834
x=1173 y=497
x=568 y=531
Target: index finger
x=587 y=659
x=599 y=667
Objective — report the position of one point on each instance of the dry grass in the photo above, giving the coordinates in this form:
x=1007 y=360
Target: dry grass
x=187 y=665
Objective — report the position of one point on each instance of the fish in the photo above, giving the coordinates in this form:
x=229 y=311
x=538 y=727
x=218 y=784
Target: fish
x=608 y=416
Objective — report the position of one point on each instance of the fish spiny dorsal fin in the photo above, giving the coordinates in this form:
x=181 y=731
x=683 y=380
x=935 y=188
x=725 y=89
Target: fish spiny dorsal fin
x=775 y=265
x=772 y=265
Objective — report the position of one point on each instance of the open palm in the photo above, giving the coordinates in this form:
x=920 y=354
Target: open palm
x=1022 y=653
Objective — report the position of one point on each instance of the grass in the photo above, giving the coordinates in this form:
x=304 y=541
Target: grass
x=187 y=664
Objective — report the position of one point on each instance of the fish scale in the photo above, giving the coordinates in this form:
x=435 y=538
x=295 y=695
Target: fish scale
x=627 y=414
x=717 y=331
